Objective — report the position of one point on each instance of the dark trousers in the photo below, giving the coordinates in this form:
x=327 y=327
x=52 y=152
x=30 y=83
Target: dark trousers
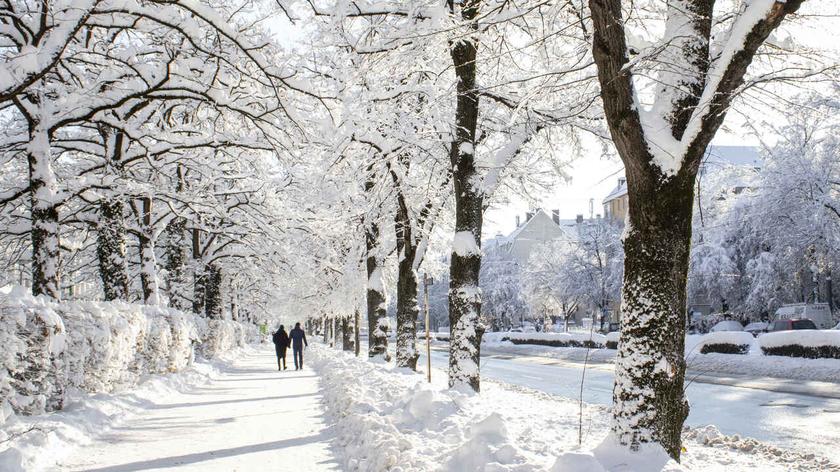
x=298 y=353
x=281 y=357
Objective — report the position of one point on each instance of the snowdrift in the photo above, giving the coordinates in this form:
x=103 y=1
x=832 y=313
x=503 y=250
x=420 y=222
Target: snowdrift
x=51 y=347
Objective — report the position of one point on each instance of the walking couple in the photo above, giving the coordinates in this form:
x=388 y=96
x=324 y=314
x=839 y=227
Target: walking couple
x=296 y=339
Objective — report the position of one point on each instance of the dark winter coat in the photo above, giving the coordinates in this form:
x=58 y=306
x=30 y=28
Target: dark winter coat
x=298 y=338
x=281 y=340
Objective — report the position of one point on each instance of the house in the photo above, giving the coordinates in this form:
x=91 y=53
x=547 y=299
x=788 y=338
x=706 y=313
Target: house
x=717 y=159
x=538 y=228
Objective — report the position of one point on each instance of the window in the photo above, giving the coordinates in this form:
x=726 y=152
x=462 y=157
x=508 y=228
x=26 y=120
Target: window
x=804 y=324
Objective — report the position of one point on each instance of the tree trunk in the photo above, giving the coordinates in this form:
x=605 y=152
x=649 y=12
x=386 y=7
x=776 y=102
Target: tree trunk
x=649 y=402
x=407 y=309
x=336 y=331
x=176 y=256
x=377 y=316
x=148 y=261
x=111 y=229
x=199 y=277
x=110 y=249
x=213 y=299
x=357 y=325
x=464 y=294
x=348 y=333
x=324 y=327
x=44 y=209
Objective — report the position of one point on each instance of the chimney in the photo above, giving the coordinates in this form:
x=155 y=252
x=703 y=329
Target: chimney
x=579 y=219
x=528 y=216
x=555 y=215
x=517 y=221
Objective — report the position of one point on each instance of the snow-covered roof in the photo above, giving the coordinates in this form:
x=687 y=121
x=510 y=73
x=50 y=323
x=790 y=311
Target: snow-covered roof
x=619 y=191
x=716 y=157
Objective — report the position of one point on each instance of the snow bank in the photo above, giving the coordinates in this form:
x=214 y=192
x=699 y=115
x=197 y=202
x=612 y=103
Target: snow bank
x=50 y=348
x=390 y=419
x=611 y=339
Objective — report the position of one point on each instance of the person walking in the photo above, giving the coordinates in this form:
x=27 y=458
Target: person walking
x=281 y=343
x=298 y=338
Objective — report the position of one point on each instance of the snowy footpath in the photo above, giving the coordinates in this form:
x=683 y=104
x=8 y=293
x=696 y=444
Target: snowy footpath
x=237 y=416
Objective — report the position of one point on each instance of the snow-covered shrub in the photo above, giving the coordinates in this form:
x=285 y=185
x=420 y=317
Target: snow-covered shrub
x=611 y=340
x=726 y=342
x=591 y=340
x=808 y=343
x=33 y=338
x=95 y=347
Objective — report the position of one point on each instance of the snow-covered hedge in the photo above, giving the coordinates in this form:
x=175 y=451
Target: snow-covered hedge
x=593 y=340
x=812 y=344
x=726 y=342
x=612 y=339
x=48 y=347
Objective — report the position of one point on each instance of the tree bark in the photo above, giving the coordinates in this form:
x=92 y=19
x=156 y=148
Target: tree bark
x=111 y=229
x=110 y=249
x=348 y=332
x=464 y=294
x=337 y=332
x=199 y=277
x=148 y=261
x=357 y=325
x=377 y=316
x=649 y=405
x=407 y=309
x=43 y=206
x=176 y=249
x=213 y=299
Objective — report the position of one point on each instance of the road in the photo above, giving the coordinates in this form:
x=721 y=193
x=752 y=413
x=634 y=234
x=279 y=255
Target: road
x=746 y=407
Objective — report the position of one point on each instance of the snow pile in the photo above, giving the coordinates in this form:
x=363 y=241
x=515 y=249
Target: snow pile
x=390 y=419
x=594 y=340
x=50 y=348
x=726 y=342
x=612 y=456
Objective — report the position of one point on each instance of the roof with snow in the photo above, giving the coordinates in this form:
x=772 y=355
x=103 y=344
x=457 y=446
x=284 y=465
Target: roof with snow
x=716 y=157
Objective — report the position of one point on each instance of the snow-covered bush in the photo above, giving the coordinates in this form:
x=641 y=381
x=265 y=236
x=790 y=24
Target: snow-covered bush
x=612 y=340
x=808 y=343
x=726 y=342
x=95 y=347
x=592 y=340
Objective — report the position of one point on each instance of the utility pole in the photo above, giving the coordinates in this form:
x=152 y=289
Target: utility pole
x=428 y=340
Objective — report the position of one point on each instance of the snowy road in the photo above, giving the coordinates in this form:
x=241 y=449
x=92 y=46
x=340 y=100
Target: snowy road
x=788 y=420
x=251 y=417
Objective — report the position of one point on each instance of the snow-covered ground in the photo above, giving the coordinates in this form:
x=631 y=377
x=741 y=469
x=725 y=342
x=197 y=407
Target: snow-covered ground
x=796 y=422
x=233 y=414
x=385 y=416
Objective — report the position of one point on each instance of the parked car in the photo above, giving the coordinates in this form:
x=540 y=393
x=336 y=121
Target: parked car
x=789 y=325
x=818 y=313
x=757 y=327
x=727 y=325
